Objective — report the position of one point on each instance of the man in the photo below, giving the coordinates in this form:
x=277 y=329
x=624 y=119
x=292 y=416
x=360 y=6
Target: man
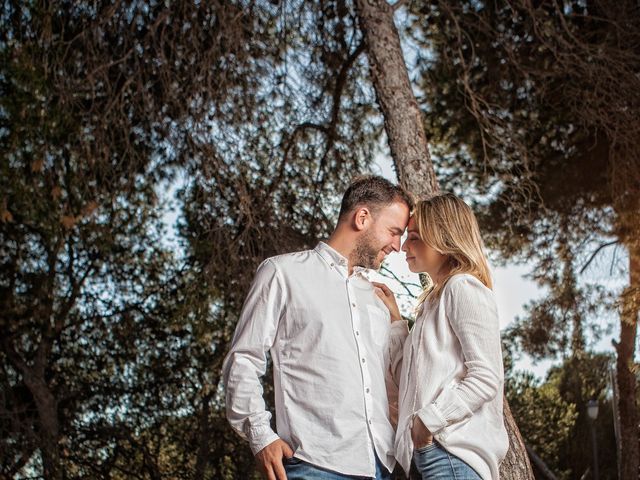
x=328 y=335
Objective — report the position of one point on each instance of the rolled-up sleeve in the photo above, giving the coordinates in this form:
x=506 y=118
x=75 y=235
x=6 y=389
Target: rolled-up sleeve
x=472 y=314
x=397 y=336
x=246 y=361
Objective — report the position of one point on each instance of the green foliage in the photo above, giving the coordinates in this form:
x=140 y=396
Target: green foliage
x=533 y=112
x=510 y=104
x=113 y=337
x=552 y=416
x=544 y=418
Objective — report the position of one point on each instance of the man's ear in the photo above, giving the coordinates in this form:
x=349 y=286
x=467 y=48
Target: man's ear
x=361 y=218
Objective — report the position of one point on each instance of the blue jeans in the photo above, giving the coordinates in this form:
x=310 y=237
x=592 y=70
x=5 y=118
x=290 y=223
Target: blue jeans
x=434 y=462
x=300 y=470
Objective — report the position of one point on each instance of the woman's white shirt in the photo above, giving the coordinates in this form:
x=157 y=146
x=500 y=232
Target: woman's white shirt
x=450 y=374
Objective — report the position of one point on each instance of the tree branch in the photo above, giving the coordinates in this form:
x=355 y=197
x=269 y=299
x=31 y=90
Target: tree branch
x=398 y=4
x=594 y=254
x=405 y=285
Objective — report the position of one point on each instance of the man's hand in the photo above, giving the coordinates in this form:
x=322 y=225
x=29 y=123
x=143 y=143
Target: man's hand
x=270 y=459
x=420 y=435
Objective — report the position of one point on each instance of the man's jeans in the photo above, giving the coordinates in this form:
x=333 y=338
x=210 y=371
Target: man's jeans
x=434 y=462
x=300 y=470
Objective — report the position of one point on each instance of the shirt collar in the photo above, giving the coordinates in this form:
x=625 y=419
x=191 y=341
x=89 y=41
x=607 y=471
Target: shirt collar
x=335 y=259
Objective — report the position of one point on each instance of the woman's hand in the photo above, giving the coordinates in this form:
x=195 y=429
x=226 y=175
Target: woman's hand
x=389 y=299
x=420 y=435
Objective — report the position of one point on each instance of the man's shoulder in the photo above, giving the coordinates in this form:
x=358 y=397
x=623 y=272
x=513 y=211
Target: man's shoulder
x=291 y=259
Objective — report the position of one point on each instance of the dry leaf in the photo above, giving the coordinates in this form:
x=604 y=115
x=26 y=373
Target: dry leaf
x=68 y=221
x=89 y=208
x=37 y=165
x=5 y=216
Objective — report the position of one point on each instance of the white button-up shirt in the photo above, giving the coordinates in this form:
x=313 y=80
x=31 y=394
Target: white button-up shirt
x=451 y=376
x=328 y=337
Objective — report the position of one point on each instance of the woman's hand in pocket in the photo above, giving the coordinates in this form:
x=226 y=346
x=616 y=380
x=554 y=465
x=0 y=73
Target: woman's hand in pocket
x=420 y=435
x=386 y=295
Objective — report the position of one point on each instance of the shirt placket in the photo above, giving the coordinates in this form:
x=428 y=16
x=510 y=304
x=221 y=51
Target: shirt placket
x=356 y=325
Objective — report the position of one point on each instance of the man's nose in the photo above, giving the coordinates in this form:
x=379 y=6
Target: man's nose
x=396 y=244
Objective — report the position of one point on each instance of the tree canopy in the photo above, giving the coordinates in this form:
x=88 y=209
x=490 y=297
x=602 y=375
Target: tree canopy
x=533 y=110
x=254 y=115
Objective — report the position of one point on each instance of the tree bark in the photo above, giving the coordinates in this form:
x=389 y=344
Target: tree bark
x=410 y=153
x=402 y=116
x=47 y=407
x=204 y=436
x=516 y=464
x=629 y=453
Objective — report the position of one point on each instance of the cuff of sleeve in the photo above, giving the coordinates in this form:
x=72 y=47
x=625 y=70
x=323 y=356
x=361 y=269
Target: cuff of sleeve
x=432 y=418
x=400 y=328
x=260 y=437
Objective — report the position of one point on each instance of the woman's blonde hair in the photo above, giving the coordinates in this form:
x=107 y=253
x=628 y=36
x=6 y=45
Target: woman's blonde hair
x=447 y=224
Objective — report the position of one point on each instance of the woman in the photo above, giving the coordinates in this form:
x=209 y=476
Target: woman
x=449 y=367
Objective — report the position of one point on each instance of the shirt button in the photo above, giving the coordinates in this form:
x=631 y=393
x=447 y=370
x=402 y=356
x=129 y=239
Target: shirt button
x=369 y=421
x=333 y=264
x=357 y=332
x=353 y=304
x=363 y=361
x=368 y=390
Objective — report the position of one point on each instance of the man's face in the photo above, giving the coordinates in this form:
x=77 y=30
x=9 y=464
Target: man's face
x=382 y=237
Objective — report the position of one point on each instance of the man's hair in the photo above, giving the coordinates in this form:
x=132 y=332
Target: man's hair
x=373 y=192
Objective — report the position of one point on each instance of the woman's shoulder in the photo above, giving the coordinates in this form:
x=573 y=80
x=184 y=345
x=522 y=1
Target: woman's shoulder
x=464 y=278
x=467 y=297
x=466 y=284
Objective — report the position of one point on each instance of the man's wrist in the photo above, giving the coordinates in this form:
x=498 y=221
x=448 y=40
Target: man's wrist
x=258 y=442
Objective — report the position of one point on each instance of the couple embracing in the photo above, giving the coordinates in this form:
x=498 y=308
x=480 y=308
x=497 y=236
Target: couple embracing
x=355 y=389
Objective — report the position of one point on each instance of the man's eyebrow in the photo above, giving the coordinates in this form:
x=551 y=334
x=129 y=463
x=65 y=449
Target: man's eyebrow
x=397 y=230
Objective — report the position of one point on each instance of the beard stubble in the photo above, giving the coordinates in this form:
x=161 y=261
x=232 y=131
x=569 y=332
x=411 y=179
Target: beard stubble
x=365 y=253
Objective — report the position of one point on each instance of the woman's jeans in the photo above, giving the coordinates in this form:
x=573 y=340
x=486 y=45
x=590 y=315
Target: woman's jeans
x=300 y=470
x=434 y=462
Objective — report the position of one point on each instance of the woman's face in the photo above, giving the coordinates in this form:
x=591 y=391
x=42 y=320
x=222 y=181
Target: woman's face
x=420 y=256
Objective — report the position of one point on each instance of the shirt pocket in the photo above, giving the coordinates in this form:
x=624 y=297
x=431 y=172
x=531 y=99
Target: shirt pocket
x=378 y=325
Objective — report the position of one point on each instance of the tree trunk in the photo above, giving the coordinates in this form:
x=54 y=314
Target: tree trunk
x=402 y=116
x=516 y=464
x=410 y=152
x=203 y=437
x=47 y=407
x=629 y=454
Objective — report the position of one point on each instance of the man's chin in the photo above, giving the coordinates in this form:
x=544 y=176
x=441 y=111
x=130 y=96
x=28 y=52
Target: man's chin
x=378 y=263
x=372 y=264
